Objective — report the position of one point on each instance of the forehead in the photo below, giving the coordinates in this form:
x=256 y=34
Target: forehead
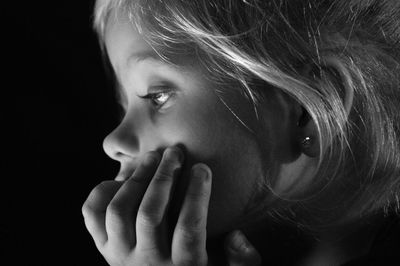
x=122 y=39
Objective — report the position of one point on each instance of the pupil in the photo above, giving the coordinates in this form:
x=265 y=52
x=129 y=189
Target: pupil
x=161 y=97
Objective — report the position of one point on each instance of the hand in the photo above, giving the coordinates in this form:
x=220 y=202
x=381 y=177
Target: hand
x=127 y=220
x=239 y=251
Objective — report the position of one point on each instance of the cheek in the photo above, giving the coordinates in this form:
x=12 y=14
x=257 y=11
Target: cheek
x=206 y=129
x=199 y=124
x=213 y=136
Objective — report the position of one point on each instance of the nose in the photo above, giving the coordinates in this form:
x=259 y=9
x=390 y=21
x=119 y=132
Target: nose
x=122 y=143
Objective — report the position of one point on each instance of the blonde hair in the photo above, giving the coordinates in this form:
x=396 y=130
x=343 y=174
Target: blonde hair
x=251 y=41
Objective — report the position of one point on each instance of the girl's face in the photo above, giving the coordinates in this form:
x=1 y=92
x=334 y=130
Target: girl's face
x=166 y=105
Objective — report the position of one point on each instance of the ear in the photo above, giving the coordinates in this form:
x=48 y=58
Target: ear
x=338 y=73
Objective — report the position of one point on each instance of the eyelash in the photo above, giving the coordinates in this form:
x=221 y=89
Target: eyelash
x=152 y=97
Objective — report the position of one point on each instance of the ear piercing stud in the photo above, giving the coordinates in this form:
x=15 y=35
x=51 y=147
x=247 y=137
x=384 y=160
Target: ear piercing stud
x=306 y=142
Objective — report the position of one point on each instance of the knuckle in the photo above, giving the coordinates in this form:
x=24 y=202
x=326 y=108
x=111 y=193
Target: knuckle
x=198 y=194
x=104 y=185
x=100 y=190
x=192 y=225
x=114 y=256
x=136 y=181
x=148 y=219
x=190 y=236
x=167 y=172
x=87 y=210
x=189 y=255
x=163 y=176
x=115 y=209
x=90 y=206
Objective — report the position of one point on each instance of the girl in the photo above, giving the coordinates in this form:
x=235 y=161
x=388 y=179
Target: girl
x=281 y=120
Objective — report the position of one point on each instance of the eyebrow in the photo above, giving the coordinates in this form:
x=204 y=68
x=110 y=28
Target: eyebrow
x=144 y=55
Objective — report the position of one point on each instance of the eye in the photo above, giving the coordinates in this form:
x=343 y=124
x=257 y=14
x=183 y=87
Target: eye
x=159 y=99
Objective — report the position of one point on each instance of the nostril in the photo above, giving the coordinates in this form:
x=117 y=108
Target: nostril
x=119 y=155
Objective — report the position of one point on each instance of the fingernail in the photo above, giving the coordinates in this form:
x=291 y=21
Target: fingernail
x=199 y=171
x=120 y=178
x=239 y=242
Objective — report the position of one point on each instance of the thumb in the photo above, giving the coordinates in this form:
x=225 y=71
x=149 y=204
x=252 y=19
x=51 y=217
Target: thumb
x=239 y=251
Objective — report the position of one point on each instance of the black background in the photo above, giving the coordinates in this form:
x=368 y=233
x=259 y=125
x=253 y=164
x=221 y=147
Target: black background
x=57 y=109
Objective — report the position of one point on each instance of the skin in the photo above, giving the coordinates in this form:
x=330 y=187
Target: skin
x=185 y=120
x=160 y=212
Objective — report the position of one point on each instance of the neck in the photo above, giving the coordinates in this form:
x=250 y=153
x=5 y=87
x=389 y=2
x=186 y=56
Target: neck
x=342 y=244
x=333 y=246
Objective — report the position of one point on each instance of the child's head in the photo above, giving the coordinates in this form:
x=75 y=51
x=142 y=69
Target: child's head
x=241 y=84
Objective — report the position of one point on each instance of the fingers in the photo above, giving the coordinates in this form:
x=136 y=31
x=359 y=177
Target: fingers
x=239 y=251
x=94 y=210
x=155 y=201
x=189 y=241
x=121 y=212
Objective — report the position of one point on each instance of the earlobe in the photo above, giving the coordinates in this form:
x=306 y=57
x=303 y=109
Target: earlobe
x=308 y=137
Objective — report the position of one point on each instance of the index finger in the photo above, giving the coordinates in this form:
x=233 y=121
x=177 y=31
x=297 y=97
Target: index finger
x=122 y=210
